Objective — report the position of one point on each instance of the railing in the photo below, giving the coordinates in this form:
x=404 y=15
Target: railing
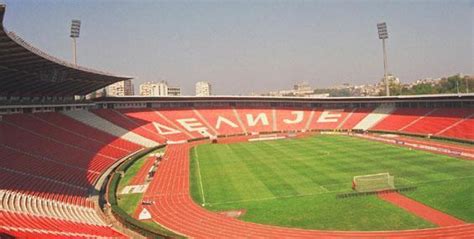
x=466 y=141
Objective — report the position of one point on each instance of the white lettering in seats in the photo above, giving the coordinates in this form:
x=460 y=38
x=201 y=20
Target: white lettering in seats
x=221 y=120
x=165 y=130
x=330 y=116
x=298 y=119
x=251 y=121
x=192 y=124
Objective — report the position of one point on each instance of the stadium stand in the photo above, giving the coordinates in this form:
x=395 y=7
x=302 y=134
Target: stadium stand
x=27 y=225
x=257 y=120
x=143 y=128
x=354 y=117
x=436 y=121
x=97 y=122
x=59 y=78
x=453 y=123
x=86 y=131
x=329 y=119
x=223 y=120
x=58 y=158
x=50 y=162
x=188 y=121
x=400 y=118
x=56 y=149
x=290 y=119
x=462 y=129
x=49 y=172
x=160 y=124
x=374 y=117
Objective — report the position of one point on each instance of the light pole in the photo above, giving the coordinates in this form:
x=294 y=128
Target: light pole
x=467 y=85
x=383 y=34
x=75 y=29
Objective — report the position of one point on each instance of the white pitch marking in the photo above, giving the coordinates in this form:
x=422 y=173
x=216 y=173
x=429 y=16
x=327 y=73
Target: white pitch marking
x=200 y=178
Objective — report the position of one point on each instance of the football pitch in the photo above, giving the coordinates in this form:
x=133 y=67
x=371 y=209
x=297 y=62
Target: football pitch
x=294 y=182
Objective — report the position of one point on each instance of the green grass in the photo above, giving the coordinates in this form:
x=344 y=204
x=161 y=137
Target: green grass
x=294 y=182
x=455 y=198
x=134 y=169
x=131 y=172
x=129 y=202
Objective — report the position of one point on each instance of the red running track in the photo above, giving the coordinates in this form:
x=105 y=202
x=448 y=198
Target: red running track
x=436 y=217
x=174 y=209
x=140 y=177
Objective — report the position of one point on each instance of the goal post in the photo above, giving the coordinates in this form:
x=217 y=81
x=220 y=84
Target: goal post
x=373 y=182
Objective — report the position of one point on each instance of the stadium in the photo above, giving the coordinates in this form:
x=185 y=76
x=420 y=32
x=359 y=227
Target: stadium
x=224 y=166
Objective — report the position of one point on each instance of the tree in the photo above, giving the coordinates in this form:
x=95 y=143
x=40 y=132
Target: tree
x=424 y=88
x=454 y=83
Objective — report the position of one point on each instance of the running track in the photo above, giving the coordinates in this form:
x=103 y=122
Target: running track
x=174 y=209
x=421 y=210
x=143 y=172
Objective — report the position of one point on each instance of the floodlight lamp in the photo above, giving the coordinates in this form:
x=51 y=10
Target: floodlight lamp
x=75 y=28
x=382 y=29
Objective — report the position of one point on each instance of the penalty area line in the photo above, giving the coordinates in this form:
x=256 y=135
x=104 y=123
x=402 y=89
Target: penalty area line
x=200 y=178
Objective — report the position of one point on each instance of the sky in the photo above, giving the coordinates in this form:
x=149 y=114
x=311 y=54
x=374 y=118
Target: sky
x=257 y=46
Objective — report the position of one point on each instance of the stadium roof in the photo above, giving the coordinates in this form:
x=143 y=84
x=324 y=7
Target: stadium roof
x=359 y=99
x=28 y=71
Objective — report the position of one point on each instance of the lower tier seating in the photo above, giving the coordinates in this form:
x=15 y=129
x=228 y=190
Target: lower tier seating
x=48 y=172
x=447 y=122
x=22 y=224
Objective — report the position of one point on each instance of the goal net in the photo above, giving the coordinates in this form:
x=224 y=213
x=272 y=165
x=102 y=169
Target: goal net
x=373 y=182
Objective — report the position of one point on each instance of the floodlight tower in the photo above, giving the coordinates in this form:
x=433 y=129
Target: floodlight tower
x=75 y=29
x=383 y=34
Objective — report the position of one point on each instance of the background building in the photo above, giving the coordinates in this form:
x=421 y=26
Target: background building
x=392 y=79
x=203 y=88
x=174 y=91
x=158 y=89
x=302 y=89
x=121 y=88
x=302 y=86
